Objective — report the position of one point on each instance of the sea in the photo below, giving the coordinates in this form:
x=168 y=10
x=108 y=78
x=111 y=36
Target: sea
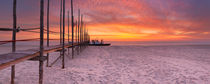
x=6 y=48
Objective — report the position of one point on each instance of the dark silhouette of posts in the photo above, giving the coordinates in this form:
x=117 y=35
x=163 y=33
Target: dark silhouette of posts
x=63 y=49
x=72 y=25
x=41 y=41
x=81 y=36
x=14 y=38
x=48 y=43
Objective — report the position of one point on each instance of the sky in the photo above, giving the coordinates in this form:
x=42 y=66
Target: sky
x=119 y=20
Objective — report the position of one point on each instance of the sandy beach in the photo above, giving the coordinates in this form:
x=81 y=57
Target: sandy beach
x=188 y=64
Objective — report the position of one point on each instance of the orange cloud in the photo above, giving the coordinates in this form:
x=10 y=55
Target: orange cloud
x=126 y=20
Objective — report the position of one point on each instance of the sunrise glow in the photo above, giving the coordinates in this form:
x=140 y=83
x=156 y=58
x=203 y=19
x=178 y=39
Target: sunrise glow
x=122 y=20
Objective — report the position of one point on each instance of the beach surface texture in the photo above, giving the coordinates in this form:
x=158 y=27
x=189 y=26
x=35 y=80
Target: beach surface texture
x=188 y=64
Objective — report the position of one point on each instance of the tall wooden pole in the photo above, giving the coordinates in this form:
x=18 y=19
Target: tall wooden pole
x=82 y=28
x=83 y=37
x=61 y=21
x=85 y=34
x=77 y=40
x=41 y=41
x=48 y=21
x=68 y=31
x=63 y=49
x=81 y=32
x=68 y=28
x=14 y=38
x=72 y=25
x=88 y=38
x=61 y=11
x=78 y=30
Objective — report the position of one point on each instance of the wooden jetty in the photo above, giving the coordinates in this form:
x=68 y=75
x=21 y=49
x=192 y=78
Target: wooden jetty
x=81 y=36
x=13 y=58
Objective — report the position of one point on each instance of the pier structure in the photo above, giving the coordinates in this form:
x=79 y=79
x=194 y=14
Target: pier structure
x=79 y=40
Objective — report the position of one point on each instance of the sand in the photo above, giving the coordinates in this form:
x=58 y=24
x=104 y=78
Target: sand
x=122 y=65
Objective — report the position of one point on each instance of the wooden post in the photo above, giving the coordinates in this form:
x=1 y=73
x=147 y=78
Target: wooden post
x=78 y=31
x=77 y=41
x=61 y=10
x=81 y=32
x=68 y=31
x=63 y=49
x=85 y=35
x=88 y=36
x=61 y=22
x=82 y=27
x=48 y=43
x=72 y=25
x=14 y=38
x=41 y=41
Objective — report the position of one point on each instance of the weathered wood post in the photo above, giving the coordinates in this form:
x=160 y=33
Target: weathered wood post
x=85 y=34
x=78 y=32
x=81 y=34
x=72 y=25
x=82 y=28
x=14 y=38
x=77 y=40
x=68 y=31
x=63 y=49
x=61 y=11
x=41 y=41
x=48 y=17
x=61 y=21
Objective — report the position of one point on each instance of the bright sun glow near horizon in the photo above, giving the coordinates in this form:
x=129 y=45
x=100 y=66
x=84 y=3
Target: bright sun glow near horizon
x=120 y=20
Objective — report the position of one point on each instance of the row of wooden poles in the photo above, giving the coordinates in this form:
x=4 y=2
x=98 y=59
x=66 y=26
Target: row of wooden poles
x=82 y=37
